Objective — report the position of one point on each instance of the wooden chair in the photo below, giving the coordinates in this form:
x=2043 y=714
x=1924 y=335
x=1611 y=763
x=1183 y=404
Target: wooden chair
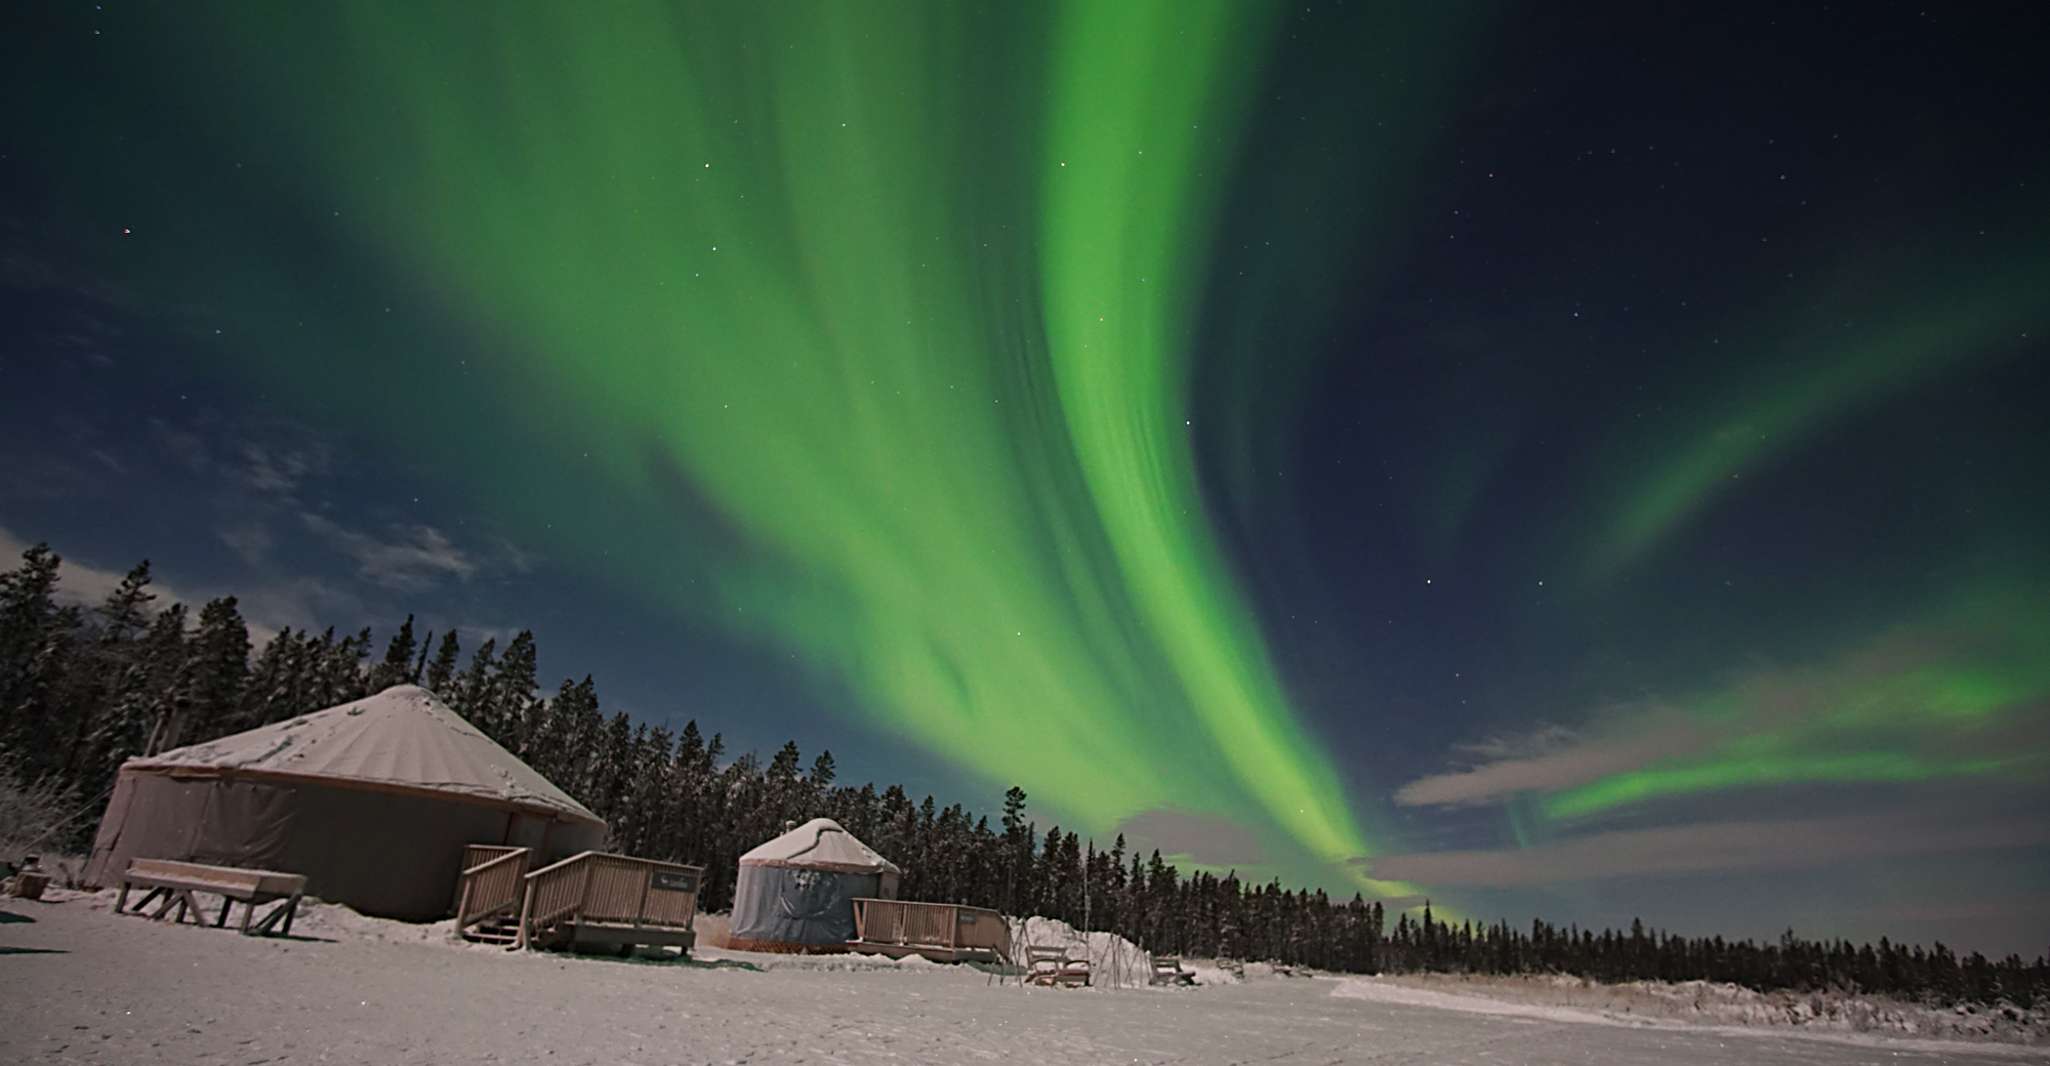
x=1167 y=970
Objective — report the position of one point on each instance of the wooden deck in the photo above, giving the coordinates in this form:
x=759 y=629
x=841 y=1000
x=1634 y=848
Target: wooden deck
x=592 y=900
x=942 y=932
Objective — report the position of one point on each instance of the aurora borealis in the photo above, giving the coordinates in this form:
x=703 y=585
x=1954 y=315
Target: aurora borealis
x=1198 y=414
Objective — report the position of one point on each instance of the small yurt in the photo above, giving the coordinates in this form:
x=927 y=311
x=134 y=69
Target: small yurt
x=373 y=801
x=793 y=892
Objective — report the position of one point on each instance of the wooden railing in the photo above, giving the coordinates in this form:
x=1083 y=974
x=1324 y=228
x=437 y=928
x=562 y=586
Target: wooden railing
x=894 y=921
x=939 y=930
x=619 y=889
x=479 y=854
x=491 y=883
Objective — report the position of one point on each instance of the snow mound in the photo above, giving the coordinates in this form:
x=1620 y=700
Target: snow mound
x=1114 y=961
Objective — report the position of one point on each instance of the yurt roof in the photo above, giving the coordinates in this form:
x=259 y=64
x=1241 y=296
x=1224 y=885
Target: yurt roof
x=402 y=739
x=820 y=844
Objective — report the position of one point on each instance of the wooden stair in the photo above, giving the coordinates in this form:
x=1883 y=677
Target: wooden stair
x=501 y=929
x=591 y=899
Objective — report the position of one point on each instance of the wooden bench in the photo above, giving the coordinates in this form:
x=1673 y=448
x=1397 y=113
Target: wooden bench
x=1053 y=966
x=1167 y=970
x=176 y=885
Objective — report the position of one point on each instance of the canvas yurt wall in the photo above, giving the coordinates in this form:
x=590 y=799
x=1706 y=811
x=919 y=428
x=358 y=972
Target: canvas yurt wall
x=372 y=801
x=795 y=892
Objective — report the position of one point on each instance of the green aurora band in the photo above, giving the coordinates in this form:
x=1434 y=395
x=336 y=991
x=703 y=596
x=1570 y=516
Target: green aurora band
x=1823 y=369
x=931 y=434
x=1960 y=695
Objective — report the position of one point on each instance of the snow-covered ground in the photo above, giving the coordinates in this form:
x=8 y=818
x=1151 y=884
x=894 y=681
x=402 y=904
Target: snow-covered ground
x=79 y=985
x=1706 y=1003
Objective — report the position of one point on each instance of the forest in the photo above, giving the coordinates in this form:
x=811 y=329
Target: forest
x=85 y=686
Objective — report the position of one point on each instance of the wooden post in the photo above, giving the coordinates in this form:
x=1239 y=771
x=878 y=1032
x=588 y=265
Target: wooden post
x=641 y=908
x=526 y=909
x=463 y=904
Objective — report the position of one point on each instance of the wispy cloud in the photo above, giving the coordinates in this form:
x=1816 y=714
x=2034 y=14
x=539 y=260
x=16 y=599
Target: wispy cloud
x=280 y=469
x=251 y=541
x=302 y=603
x=1964 y=694
x=182 y=445
x=1210 y=839
x=1555 y=758
x=409 y=558
x=267 y=608
x=77 y=582
x=1712 y=847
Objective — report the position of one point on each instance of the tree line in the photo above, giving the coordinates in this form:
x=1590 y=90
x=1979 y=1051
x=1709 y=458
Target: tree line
x=83 y=688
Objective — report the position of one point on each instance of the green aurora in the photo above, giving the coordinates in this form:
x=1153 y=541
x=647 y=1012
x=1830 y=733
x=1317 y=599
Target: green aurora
x=935 y=433
x=1955 y=696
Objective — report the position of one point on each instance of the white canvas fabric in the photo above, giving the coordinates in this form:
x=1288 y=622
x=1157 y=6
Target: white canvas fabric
x=820 y=844
x=402 y=738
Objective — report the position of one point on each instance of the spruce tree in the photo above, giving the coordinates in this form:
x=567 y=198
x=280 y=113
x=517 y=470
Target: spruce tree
x=147 y=694
x=420 y=662
x=121 y=620
x=210 y=685
x=821 y=776
x=511 y=700
x=28 y=616
x=268 y=697
x=472 y=695
x=398 y=659
x=442 y=669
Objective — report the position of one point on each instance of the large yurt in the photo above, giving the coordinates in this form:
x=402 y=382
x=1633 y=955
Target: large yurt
x=373 y=801
x=794 y=892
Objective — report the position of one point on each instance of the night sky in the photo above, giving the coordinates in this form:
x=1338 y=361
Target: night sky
x=1582 y=461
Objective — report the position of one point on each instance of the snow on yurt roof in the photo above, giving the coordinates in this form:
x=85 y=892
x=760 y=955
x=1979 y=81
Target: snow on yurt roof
x=820 y=844
x=401 y=739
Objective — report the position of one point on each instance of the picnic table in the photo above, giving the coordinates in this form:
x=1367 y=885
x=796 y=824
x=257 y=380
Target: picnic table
x=1053 y=966
x=175 y=887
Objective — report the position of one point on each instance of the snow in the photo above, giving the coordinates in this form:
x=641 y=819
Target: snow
x=1702 y=1006
x=1387 y=992
x=1115 y=961
x=80 y=985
